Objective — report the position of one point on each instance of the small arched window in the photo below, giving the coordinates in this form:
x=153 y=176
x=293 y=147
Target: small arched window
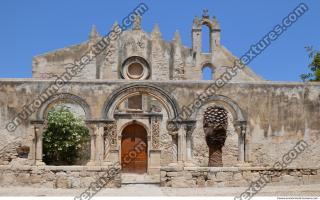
x=207 y=73
x=205 y=40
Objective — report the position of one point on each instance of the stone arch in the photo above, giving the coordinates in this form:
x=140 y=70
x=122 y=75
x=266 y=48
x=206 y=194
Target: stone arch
x=234 y=150
x=205 y=65
x=209 y=23
x=64 y=97
x=119 y=95
x=136 y=121
x=226 y=102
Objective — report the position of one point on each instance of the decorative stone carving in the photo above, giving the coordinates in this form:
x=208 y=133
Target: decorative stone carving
x=131 y=63
x=141 y=43
x=111 y=135
x=109 y=55
x=155 y=134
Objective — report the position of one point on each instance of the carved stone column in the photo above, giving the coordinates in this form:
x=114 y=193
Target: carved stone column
x=32 y=141
x=189 y=128
x=241 y=128
x=181 y=145
x=39 y=136
x=155 y=152
x=173 y=130
x=111 y=151
x=92 y=145
x=99 y=132
x=155 y=133
x=174 y=136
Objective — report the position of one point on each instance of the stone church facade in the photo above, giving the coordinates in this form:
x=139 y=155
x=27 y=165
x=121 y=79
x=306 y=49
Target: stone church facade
x=146 y=92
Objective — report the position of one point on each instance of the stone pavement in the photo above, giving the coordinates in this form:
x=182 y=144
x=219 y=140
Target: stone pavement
x=155 y=190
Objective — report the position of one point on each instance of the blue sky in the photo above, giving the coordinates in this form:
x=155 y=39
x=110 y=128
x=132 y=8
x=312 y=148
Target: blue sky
x=33 y=27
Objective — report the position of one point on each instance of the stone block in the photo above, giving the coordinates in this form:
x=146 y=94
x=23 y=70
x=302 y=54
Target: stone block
x=305 y=179
x=211 y=176
x=275 y=179
x=195 y=173
x=250 y=176
x=35 y=178
x=23 y=178
x=237 y=176
x=49 y=176
x=314 y=179
x=210 y=183
x=75 y=183
x=187 y=175
x=181 y=182
x=61 y=174
x=49 y=184
x=86 y=181
x=172 y=174
x=290 y=179
x=6 y=179
x=63 y=182
x=163 y=173
x=201 y=181
x=75 y=174
x=224 y=176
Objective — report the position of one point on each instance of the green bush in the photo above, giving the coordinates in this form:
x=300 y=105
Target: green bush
x=64 y=138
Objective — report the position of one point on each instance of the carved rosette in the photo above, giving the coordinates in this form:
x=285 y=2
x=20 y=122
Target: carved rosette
x=155 y=134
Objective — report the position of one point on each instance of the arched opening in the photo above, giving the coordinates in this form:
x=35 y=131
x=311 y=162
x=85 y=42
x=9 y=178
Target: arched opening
x=66 y=139
x=134 y=149
x=215 y=123
x=120 y=95
x=205 y=40
x=207 y=73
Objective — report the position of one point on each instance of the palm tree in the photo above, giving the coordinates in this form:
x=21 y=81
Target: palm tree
x=215 y=124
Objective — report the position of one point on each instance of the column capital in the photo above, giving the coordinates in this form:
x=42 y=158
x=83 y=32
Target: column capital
x=241 y=127
x=189 y=128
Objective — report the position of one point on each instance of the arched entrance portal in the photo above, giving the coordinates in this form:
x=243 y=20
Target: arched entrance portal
x=134 y=148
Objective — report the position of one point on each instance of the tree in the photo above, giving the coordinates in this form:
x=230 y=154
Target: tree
x=314 y=66
x=64 y=138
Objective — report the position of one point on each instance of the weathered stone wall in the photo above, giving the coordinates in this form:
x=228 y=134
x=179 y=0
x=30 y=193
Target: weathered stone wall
x=278 y=114
x=55 y=176
x=236 y=177
x=166 y=60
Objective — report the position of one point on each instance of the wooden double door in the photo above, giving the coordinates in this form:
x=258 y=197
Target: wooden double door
x=134 y=149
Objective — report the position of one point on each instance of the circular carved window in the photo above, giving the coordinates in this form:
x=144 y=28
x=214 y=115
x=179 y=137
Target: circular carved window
x=135 y=68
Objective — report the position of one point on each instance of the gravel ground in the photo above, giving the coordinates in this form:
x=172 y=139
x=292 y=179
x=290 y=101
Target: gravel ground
x=154 y=190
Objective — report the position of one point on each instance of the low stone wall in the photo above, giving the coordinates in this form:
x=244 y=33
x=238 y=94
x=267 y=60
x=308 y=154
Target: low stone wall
x=236 y=176
x=54 y=176
x=83 y=176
